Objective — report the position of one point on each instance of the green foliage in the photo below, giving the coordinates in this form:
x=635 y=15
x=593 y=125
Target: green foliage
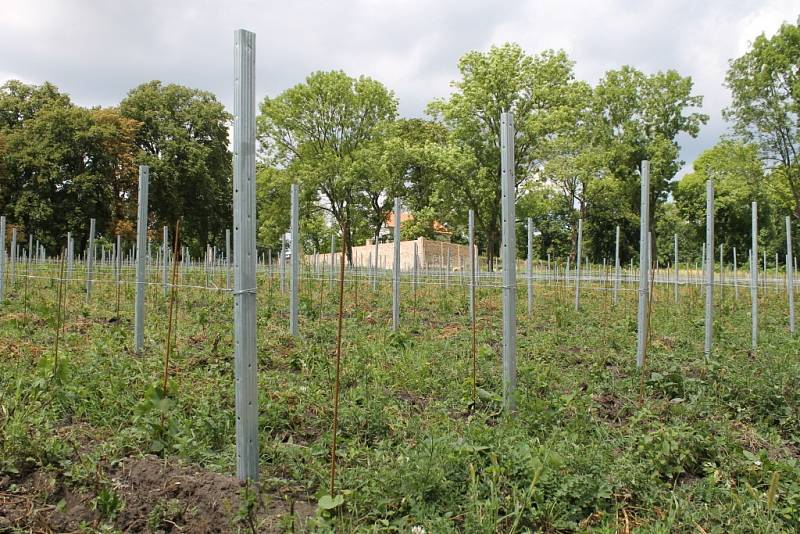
x=640 y=118
x=540 y=90
x=314 y=131
x=687 y=443
x=738 y=179
x=63 y=164
x=765 y=108
x=108 y=503
x=164 y=514
x=154 y=416
x=248 y=503
x=184 y=139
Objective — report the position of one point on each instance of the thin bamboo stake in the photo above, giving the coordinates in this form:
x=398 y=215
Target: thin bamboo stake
x=173 y=291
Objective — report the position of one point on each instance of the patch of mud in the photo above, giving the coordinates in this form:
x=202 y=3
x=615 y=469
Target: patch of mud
x=155 y=496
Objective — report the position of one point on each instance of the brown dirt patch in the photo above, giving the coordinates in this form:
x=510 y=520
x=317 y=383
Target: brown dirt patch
x=609 y=407
x=448 y=331
x=157 y=496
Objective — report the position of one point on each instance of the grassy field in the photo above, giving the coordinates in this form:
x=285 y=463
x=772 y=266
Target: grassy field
x=92 y=443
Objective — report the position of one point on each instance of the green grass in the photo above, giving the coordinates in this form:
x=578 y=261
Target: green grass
x=594 y=445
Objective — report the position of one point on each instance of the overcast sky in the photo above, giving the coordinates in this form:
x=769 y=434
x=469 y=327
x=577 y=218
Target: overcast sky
x=98 y=50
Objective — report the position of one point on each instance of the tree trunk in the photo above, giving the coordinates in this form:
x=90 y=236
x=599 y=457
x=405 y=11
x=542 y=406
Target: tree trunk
x=491 y=240
x=347 y=235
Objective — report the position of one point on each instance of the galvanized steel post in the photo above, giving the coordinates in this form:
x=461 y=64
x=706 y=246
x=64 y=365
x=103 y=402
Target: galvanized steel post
x=735 y=275
x=70 y=254
x=578 y=256
x=244 y=253
x=508 y=187
x=675 y=239
x=644 y=264
x=90 y=261
x=471 y=252
x=227 y=258
x=790 y=273
x=754 y=274
x=118 y=261
x=141 y=258
x=330 y=267
x=2 y=256
x=709 y=315
x=14 y=256
x=164 y=258
x=415 y=273
x=282 y=262
x=530 y=266
x=375 y=267
x=295 y=257
x=396 y=269
x=616 y=267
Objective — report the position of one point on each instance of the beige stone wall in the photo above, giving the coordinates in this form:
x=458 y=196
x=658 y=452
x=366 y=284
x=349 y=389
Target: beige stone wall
x=430 y=254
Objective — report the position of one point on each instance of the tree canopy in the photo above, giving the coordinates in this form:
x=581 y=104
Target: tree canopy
x=765 y=108
x=578 y=150
x=184 y=139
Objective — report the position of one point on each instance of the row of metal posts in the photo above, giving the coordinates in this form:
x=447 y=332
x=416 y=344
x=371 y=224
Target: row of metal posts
x=245 y=260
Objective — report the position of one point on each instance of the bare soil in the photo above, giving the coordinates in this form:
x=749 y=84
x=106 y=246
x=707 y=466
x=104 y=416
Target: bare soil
x=158 y=496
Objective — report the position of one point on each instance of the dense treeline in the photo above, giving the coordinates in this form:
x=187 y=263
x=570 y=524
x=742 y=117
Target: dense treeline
x=62 y=164
x=578 y=148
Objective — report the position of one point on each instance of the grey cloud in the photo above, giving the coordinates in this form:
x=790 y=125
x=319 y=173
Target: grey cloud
x=98 y=50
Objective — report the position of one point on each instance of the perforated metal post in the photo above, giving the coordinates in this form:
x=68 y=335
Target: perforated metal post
x=164 y=258
x=471 y=252
x=295 y=252
x=790 y=273
x=141 y=258
x=709 y=315
x=2 y=257
x=282 y=263
x=578 y=256
x=375 y=265
x=530 y=266
x=508 y=187
x=735 y=275
x=70 y=254
x=396 y=269
x=227 y=258
x=675 y=259
x=244 y=254
x=415 y=267
x=644 y=263
x=616 y=266
x=754 y=274
x=330 y=267
x=118 y=260
x=14 y=256
x=90 y=261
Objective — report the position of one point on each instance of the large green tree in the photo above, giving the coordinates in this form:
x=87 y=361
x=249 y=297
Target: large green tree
x=273 y=203
x=393 y=164
x=540 y=92
x=62 y=164
x=765 y=86
x=315 y=130
x=640 y=117
x=184 y=140
x=739 y=179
